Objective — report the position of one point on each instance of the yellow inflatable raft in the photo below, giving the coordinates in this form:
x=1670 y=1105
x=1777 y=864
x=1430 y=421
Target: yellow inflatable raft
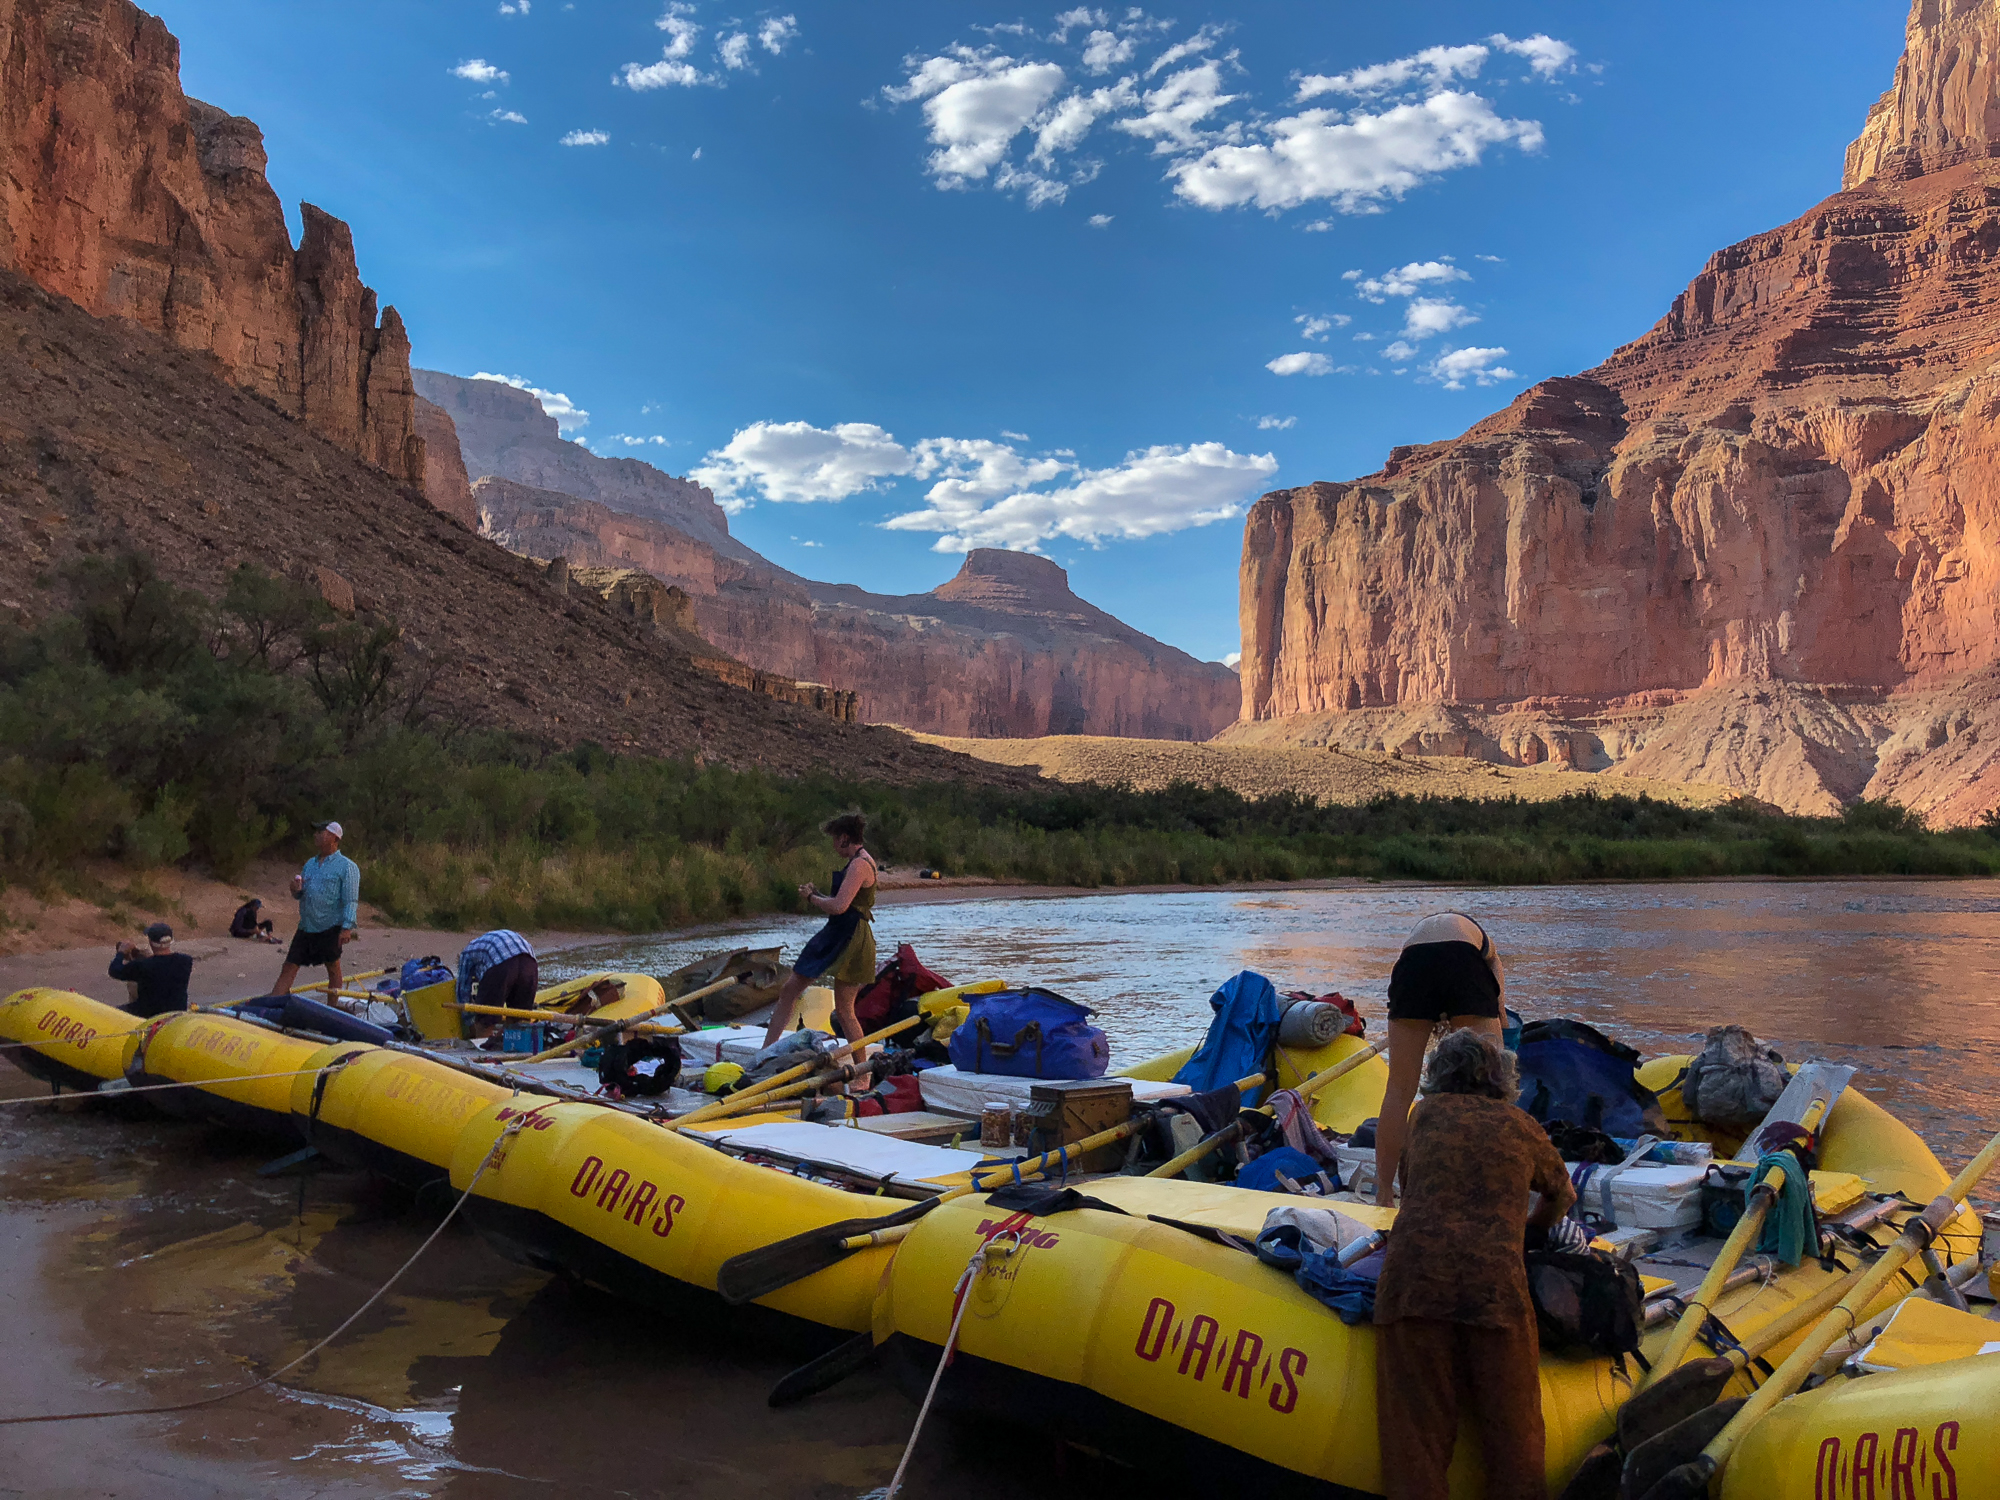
x=70 y=1040
x=1130 y=1332
x=388 y=1112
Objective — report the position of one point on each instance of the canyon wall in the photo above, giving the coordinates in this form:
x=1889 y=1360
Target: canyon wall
x=134 y=201
x=1005 y=649
x=1753 y=546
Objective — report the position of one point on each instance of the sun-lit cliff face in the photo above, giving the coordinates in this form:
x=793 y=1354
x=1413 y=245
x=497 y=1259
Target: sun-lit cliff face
x=1755 y=545
x=122 y=194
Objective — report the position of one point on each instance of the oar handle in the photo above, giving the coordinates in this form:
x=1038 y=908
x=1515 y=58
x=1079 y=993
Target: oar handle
x=888 y=1236
x=1919 y=1232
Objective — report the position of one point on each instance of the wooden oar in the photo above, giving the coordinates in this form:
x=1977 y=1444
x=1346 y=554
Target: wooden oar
x=1690 y=1480
x=320 y=984
x=1745 y=1234
x=760 y=1272
x=1235 y=1128
x=736 y=1103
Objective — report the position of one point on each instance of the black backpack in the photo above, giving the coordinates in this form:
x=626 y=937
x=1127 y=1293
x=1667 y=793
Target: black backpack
x=1586 y=1301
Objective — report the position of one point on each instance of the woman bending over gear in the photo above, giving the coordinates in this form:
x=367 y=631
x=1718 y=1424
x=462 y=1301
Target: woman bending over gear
x=1448 y=971
x=843 y=951
x=1454 y=1323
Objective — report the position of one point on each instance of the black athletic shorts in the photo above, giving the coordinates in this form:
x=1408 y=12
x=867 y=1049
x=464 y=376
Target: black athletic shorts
x=313 y=950
x=1434 y=980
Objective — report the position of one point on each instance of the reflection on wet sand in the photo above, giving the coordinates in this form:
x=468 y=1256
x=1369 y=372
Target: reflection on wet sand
x=144 y=1261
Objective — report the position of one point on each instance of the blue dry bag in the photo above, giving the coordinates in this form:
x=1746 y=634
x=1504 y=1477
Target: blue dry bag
x=1029 y=1034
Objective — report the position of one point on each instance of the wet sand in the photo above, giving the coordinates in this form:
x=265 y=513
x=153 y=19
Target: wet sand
x=143 y=1261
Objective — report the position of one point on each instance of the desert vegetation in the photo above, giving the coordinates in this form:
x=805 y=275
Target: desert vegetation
x=155 y=726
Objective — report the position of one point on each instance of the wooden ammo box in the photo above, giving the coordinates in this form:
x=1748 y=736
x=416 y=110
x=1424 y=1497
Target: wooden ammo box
x=1063 y=1113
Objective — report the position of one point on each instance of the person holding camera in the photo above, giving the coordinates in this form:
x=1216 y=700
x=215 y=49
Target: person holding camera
x=158 y=977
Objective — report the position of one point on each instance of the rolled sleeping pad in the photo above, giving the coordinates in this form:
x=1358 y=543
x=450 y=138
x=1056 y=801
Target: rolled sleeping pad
x=302 y=1013
x=1310 y=1023
x=73 y=1041
x=207 y=1051
x=388 y=1112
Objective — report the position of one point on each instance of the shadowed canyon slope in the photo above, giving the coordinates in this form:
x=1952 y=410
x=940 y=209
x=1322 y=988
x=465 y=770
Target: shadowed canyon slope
x=1005 y=649
x=122 y=194
x=1758 y=546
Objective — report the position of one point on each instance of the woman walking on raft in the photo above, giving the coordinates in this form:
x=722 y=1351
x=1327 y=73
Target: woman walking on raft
x=843 y=951
x=1448 y=971
x=1453 y=1320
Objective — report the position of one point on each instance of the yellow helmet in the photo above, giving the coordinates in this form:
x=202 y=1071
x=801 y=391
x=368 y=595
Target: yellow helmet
x=721 y=1076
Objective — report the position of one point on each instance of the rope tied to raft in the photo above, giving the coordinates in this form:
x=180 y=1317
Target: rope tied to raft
x=962 y=1299
x=512 y=1129
x=193 y=1083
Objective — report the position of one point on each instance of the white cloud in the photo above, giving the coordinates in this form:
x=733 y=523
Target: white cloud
x=1355 y=163
x=1314 y=326
x=1405 y=281
x=586 y=138
x=1233 y=659
x=798 y=461
x=515 y=7
x=1434 y=67
x=569 y=416
x=734 y=50
x=638 y=442
x=1201 y=41
x=777 y=33
x=697 y=154
x=681 y=32
x=1064 y=127
x=1545 y=54
x=1162 y=489
x=976 y=104
x=1274 y=424
x=1105 y=50
x=1305 y=362
x=479 y=70
x=1098 y=221
x=508 y=117
x=1175 y=110
x=663 y=74
x=1083 y=15
x=1454 y=367
x=809 y=544
x=1427 y=316
x=1399 y=351
x=1017 y=437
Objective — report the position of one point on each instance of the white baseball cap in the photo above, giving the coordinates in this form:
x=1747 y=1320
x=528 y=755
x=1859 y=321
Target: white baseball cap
x=333 y=828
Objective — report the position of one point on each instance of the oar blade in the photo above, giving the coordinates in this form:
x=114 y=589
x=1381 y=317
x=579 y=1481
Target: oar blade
x=1597 y=1477
x=832 y=1367
x=1649 y=1464
x=1688 y=1482
x=760 y=1272
x=1672 y=1399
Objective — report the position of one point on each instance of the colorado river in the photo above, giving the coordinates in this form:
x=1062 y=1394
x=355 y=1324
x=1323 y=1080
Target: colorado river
x=144 y=1262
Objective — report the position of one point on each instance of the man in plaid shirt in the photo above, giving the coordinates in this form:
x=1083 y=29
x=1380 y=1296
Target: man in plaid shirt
x=497 y=968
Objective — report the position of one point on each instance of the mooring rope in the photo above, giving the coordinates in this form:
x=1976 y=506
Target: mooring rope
x=513 y=1127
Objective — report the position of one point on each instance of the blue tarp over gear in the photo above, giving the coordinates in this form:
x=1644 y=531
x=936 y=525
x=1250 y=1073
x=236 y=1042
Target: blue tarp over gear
x=1239 y=1038
x=1574 y=1072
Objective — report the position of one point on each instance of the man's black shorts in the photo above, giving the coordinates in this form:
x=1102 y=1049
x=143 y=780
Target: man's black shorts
x=1434 y=980
x=313 y=950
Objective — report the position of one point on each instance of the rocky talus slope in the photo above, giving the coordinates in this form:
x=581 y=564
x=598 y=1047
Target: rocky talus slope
x=1759 y=546
x=134 y=201
x=1004 y=649
x=112 y=438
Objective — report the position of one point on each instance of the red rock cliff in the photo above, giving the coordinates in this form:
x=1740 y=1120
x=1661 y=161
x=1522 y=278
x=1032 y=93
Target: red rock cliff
x=1786 y=494
x=122 y=194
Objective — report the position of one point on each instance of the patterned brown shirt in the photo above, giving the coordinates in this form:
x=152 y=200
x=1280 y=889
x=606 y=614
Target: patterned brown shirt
x=1455 y=1248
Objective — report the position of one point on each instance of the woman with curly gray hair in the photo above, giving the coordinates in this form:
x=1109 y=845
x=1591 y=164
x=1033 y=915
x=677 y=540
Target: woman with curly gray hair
x=1454 y=1323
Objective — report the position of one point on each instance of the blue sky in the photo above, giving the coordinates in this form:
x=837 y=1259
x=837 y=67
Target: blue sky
x=900 y=278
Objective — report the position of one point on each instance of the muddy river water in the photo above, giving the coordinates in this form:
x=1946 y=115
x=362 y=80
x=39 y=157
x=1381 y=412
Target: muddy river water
x=145 y=1262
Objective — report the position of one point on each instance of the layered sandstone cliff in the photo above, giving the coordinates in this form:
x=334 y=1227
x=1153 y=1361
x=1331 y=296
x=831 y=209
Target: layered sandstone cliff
x=1005 y=649
x=1755 y=546
x=446 y=483
x=132 y=200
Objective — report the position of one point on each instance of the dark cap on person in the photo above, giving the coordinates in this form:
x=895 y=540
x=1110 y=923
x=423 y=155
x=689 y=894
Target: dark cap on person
x=159 y=932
